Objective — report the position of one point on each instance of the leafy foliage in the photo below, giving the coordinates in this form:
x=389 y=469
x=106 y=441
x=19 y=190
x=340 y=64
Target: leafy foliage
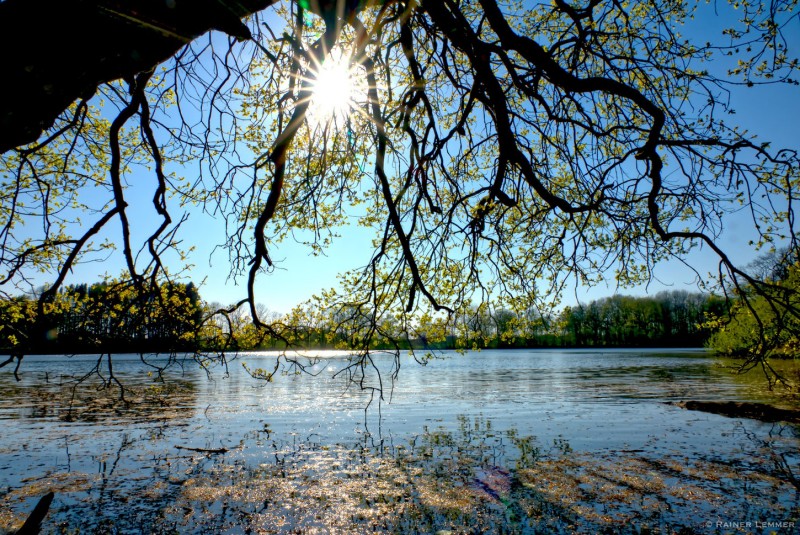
x=761 y=325
x=104 y=317
x=667 y=319
x=762 y=322
x=500 y=150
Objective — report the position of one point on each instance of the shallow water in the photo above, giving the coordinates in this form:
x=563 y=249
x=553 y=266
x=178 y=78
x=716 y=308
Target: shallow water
x=500 y=441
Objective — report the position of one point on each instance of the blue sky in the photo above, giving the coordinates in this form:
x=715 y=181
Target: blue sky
x=773 y=112
x=770 y=111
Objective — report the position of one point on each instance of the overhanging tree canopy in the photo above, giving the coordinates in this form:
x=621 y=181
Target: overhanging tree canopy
x=55 y=52
x=498 y=148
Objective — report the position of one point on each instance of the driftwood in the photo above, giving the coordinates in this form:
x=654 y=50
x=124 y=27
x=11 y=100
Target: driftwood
x=16 y=369
x=736 y=409
x=34 y=522
x=203 y=450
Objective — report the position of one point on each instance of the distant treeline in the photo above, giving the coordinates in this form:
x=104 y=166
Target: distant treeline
x=117 y=317
x=667 y=319
x=124 y=316
x=104 y=317
x=765 y=321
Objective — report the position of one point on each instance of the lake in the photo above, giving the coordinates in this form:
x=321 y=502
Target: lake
x=506 y=441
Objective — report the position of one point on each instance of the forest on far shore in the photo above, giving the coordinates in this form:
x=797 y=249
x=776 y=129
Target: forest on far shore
x=120 y=317
x=105 y=317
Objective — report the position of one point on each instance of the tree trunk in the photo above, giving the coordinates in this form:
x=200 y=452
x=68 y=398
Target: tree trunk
x=54 y=52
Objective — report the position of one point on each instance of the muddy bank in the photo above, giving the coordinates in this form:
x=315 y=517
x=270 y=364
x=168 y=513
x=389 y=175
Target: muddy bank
x=737 y=409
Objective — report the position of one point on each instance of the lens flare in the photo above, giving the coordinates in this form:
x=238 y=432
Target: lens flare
x=335 y=91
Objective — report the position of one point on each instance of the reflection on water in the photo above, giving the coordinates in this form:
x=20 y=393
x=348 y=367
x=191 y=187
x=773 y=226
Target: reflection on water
x=497 y=441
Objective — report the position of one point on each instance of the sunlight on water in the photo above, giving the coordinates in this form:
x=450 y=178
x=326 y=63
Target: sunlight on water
x=516 y=441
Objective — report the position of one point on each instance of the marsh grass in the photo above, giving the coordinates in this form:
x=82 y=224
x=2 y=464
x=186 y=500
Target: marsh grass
x=472 y=480
x=115 y=467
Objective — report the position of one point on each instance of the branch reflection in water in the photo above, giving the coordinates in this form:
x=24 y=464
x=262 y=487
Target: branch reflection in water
x=505 y=441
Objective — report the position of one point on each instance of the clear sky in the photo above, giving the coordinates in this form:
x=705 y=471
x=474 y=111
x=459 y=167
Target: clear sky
x=773 y=112
x=769 y=111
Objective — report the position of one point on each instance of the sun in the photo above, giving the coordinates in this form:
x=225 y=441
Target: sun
x=335 y=91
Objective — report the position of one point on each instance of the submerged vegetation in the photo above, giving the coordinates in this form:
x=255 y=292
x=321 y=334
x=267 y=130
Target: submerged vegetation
x=168 y=464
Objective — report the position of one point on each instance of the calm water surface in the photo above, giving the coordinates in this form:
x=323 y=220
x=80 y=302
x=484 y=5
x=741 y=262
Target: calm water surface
x=526 y=441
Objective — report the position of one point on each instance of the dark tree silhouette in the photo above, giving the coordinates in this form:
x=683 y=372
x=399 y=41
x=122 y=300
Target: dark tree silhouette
x=54 y=52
